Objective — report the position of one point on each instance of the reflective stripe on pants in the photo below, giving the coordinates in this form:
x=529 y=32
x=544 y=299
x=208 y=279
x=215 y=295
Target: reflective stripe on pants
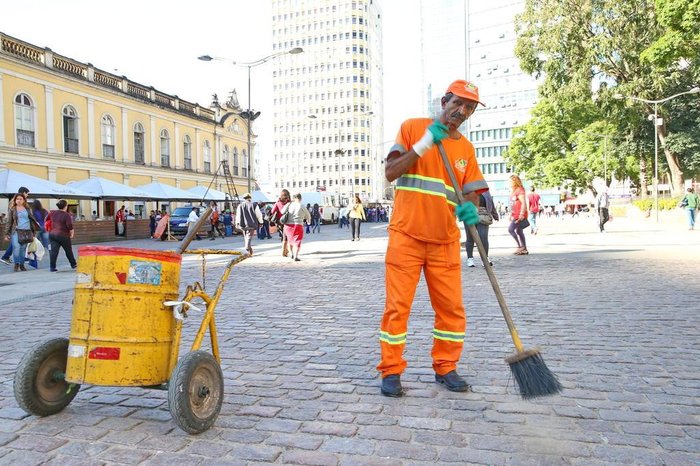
x=440 y=263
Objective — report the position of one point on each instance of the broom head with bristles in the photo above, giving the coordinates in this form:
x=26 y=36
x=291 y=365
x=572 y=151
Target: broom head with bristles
x=532 y=375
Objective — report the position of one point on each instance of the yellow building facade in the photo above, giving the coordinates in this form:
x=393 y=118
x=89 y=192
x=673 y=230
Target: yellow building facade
x=62 y=120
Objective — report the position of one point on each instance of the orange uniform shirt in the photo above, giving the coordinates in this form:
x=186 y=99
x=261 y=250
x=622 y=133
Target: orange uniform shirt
x=424 y=204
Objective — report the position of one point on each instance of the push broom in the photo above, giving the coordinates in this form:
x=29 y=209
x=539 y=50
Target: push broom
x=530 y=372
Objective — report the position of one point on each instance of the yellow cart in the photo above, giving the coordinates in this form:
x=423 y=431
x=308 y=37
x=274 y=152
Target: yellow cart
x=125 y=331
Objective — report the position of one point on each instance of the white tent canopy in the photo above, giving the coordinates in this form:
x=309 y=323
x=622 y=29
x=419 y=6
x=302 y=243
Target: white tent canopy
x=101 y=188
x=260 y=196
x=159 y=190
x=11 y=181
x=210 y=194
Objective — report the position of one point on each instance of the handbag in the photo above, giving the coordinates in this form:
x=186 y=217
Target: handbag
x=286 y=216
x=25 y=236
x=484 y=216
x=524 y=223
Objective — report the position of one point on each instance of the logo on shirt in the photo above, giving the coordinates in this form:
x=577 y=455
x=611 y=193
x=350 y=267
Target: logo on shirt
x=461 y=165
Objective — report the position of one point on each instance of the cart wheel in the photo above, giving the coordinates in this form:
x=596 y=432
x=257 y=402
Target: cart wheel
x=196 y=392
x=40 y=381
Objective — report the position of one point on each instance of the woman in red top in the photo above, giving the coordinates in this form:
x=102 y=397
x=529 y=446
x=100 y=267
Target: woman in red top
x=276 y=213
x=518 y=213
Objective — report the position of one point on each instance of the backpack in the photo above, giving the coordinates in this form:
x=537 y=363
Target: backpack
x=684 y=202
x=47 y=223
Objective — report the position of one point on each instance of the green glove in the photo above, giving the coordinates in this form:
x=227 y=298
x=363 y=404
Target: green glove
x=438 y=130
x=468 y=213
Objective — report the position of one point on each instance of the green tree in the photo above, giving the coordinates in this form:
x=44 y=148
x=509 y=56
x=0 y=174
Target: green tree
x=579 y=45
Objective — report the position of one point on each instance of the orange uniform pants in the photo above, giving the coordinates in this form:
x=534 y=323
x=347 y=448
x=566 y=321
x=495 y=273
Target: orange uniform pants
x=440 y=263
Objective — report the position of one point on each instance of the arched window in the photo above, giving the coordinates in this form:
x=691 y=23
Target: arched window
x=188 y=152
x=164 y=148
x=235 y=161
x=244 y=168
x=225 y=154
x=139 y=143
x=24 y=120
x=207 y=157
x=70 y=130
x=108 y=130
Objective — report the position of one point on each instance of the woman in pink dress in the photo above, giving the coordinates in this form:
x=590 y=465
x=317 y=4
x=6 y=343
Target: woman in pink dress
x=294 y=228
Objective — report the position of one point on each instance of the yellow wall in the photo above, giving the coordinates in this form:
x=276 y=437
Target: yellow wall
x=34 y=170
x=64 y=175
x=13 y=86
x=187 y=184
x=168 y=181
x=138 y=180
x=112 y=176
x=102 y=109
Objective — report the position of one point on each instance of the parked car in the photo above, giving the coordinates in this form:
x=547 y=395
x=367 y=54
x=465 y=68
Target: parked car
x=178 y=219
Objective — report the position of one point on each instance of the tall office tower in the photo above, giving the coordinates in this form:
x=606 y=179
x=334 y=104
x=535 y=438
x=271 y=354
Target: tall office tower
x=476 y=39
x=328 y=100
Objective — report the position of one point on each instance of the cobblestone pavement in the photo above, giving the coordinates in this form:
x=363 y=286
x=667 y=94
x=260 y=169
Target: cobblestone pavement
x=615 y=314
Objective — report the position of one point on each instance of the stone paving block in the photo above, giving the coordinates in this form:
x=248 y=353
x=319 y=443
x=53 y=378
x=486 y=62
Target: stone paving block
x=627 y=455
x=6 y=438
x=166 y=443
x=243 y=436
x=408 y=451
x=336 y=416
x=278 y=425
x=440 y=438
x=354 y=460
x=424 y=423
x=469 y=456
x=80 y=449
x=624 y=416
x=13 y=413
x=25 y=458
x=660 y=430
x=84 y=432
x=178 y=459
x=259 y=411
x=678 y=419
x=329 y=428
x=125 y=455
x=129 y=438
x=576 y=412
x=353 y=446
x=39 y=443
x=311 y=458
x=264 y=453
x=8 y=425
x=301 y=441
x=684 y=444
x=385 y=433
x=72 y=461
x=299 y=414
x=45 y=426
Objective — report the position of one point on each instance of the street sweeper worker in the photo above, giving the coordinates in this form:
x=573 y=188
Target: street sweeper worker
x=423 y=235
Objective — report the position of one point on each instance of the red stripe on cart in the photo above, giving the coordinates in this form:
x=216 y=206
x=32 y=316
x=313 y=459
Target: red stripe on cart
x=102 y=352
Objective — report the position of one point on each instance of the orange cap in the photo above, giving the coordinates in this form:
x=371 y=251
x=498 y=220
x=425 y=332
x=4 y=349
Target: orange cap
x=465 y=89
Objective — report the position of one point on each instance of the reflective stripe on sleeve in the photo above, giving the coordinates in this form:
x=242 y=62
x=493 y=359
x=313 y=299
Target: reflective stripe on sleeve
x=427 y=185
x=457 y=337
x=386 y=337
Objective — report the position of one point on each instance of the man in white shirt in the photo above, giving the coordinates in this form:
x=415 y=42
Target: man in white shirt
x=192 y=221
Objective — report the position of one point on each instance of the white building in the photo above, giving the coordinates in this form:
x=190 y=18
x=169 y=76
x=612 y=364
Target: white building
x=475 y=40
x=328 y=100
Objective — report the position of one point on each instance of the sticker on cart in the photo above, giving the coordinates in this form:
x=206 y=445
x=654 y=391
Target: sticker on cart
x=76 y=351
x=144 y=273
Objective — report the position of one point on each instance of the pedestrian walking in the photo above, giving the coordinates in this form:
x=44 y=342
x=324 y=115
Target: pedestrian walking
x=275 y=215
x=248 y=219
x=22 y=227
x=316 y=219
x=192 y=220
x=518 y=214
x=343 y=217
x=294 y=229
x=357 y=215
x=7 y=255
x=423 y=236
x=534 y=207
x=152 y=223
x=120 y=222
x=61 y=235
x=602 y=203
x=40 y=215
x=691 y=203
x=227 y=219
x=487 y=215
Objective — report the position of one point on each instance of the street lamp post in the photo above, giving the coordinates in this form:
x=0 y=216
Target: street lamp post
x=249 y=114
x=656 y=103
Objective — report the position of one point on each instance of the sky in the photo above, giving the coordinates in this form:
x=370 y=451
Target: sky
x=157 y=42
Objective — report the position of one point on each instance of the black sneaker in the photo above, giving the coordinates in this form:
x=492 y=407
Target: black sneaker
x=5 y=261
x=391 y=386
x=453 y=381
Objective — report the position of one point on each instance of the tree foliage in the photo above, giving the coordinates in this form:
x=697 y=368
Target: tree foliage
x=588 y=51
